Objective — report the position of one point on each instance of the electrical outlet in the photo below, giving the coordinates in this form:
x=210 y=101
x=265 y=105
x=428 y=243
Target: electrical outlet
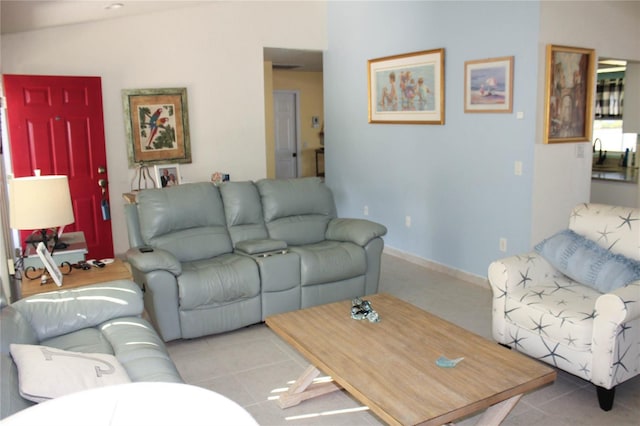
x=503 y=244
x=407 y=221
x=366 y=210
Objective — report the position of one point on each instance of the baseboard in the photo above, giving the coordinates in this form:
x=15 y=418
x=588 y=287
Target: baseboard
x=438 y=267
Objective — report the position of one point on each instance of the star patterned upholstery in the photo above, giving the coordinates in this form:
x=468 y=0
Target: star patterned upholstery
x=541 y=312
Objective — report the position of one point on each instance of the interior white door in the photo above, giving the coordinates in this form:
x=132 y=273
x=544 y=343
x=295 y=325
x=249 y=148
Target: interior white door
x=285 y=105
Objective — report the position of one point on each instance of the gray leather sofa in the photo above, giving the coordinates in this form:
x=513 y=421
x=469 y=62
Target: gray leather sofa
x=102 y=318
x=228 y=256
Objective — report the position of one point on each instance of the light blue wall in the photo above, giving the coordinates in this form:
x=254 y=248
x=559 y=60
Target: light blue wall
x=456 y=180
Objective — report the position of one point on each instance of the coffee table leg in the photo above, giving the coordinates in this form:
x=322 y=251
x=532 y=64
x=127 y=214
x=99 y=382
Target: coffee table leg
x=304 y=388
x=495 y=414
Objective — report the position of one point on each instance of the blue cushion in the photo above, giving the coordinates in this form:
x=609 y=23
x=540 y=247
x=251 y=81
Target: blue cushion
x=588 y=263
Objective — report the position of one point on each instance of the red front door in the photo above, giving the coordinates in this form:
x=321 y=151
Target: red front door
x=56 y=125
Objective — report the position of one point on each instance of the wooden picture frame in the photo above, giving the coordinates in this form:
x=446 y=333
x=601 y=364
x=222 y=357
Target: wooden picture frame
x=570 y=77
x=168 y=175
x=488 y=85
x=157 y=125
x=407 y=89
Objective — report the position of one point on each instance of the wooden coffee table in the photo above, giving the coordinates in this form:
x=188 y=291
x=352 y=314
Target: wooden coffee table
x=390 y=366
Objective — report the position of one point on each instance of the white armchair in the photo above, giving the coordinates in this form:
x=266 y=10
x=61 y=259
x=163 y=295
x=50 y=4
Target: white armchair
x=539 y=311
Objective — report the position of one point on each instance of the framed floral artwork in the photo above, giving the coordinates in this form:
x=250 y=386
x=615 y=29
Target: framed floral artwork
x=488 y=85
x=157 y=125
x=407 y=88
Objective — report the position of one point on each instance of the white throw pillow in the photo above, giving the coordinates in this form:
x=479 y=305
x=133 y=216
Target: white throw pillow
x=45 y=373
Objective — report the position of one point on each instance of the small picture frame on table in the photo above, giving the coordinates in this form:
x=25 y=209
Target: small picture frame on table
x=168 y=175
x=49 y=264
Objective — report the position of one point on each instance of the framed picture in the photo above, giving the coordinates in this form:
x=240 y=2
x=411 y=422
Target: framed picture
x=157 y=125
x=570 y=75
x=168 y=175
x=49 y=264
x=488 y=85
x=407 y=89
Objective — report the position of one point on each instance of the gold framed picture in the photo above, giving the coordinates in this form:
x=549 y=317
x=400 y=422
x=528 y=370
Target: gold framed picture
x=407 y=89
x=570 y=76
x=488 y=85
x=157 y=125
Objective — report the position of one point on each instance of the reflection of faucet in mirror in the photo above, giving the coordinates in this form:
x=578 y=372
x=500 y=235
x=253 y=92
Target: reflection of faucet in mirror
x=601 y=156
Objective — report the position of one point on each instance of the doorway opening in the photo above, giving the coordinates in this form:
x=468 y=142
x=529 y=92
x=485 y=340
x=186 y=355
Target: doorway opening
x=294 y=109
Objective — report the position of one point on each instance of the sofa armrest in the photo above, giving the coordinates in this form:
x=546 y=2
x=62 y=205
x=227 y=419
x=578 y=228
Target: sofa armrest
x=261 y=247
x=615 y=313
x=158 y=259
x=519 y=270
x=61 y=312
x=507 y=274
x=358 y=231
x=619 y=306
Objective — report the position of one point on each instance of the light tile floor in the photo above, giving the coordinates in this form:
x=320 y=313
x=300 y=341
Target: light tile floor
x=252 y=365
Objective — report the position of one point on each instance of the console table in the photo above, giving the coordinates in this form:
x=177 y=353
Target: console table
x=117 y=270
x=74 y=253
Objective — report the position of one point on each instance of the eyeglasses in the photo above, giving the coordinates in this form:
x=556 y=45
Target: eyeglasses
x=361 y=309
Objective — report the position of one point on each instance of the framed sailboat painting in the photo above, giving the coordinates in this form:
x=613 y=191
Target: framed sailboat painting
x=488 y=85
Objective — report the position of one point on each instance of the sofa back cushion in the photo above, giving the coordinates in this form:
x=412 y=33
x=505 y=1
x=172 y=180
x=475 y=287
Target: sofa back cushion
x=243 y=211
x=187 y=220
x=296 y=210
x=614 y=228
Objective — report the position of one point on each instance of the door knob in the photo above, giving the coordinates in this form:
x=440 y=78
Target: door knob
x=102 y=183
x=102 y=170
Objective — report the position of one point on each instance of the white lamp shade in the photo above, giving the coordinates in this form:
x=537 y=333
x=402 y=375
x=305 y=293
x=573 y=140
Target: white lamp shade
x=39 y=202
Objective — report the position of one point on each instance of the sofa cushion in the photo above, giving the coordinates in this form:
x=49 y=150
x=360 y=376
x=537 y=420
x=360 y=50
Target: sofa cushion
x=613 y=227
x=558 y=309
x=586 y=262
x=299 y=230
x=220 y=280
x=195 y=243
x=45 y=373
x=187 y=220
x=89 y=340
x=243 y=211
x=330 y=261
x=296 y=210
x=292 y=197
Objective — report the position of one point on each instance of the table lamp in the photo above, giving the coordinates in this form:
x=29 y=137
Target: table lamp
x=40 y=203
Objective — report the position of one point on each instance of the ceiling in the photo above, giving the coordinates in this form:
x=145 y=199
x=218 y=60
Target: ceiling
x=26 y=15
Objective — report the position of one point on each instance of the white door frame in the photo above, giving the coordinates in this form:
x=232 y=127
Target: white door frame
x=296 y=97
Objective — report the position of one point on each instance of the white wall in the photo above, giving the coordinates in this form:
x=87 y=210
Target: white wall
x=214 y=50
x=563 y=178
